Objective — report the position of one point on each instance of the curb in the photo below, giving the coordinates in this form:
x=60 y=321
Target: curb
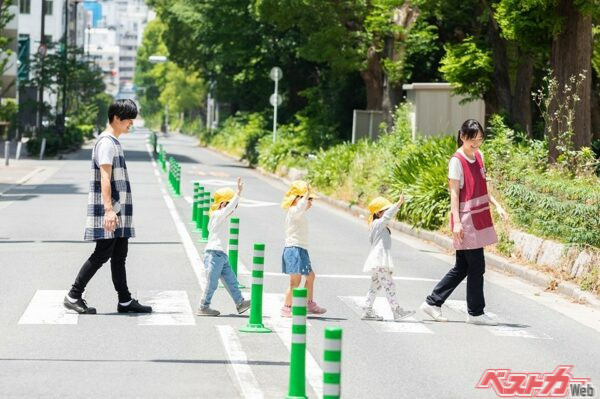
x=494 y=261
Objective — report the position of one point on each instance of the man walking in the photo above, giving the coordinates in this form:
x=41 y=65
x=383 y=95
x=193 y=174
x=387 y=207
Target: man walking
x=109 y=213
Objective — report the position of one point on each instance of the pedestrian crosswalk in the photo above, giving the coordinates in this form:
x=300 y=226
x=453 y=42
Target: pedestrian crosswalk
x=173 y=308
x=501 y=330
x=46 y=307
x=381 y=307
x=170 y=308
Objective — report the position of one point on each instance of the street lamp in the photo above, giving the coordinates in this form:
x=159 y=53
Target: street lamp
x=159 y=59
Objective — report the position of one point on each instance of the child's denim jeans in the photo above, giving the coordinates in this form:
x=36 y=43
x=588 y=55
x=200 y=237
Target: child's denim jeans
x=218 y=267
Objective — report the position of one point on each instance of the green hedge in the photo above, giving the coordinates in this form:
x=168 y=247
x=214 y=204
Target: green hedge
x=73 y=138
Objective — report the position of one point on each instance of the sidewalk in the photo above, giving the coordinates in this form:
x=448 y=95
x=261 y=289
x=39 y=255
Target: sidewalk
x=20 y=172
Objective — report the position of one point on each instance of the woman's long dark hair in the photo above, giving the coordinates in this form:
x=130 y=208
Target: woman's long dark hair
x=469 y=128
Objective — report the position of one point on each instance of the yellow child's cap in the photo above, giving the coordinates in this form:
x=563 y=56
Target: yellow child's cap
x=299 y=188
x=377 y=205
x=222 y=195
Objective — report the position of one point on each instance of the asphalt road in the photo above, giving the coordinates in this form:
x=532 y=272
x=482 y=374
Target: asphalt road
x=47 y=352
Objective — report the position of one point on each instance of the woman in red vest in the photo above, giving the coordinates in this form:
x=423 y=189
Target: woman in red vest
x=471 y=225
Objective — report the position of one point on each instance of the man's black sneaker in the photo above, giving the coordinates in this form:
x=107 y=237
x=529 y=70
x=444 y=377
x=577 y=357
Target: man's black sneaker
x=80 y=306
x=134 y=307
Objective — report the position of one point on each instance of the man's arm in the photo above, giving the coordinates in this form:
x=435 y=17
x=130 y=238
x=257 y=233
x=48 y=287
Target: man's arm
x=110 y=217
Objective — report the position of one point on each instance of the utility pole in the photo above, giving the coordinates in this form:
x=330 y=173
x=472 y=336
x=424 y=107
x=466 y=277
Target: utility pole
x=62 y=122
x=42 y=52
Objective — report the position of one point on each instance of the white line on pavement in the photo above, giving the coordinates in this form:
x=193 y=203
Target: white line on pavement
x=169 y=308
x=46 y=307
x=239 y=363
x=242 y=269
x=244 y=203
x=381 y=307
x=283 y=327
x=502 y=330
x=188 y=244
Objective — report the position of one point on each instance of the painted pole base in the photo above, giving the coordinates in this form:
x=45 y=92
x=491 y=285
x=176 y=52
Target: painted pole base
x=203 y=240
x=255 y=328
x=296 y=397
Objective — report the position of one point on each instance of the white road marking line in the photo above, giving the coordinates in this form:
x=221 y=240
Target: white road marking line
x=46 y=307
x=248 y=203
x=242 y=269
x=381 y=307
x=239 y=363
x=244 y=203
x=188 y=244
x=216 y=182
x=502 y=330
x=283 y=327
x=169 y=308
x=355 y=276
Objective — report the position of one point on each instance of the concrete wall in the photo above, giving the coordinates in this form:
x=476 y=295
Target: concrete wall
x=436 y=111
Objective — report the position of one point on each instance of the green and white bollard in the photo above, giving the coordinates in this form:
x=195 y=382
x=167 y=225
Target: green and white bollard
x=297 y=387
x=194 y=199
x=332 y=363
x=177 y=187
x=255 y=323
x=163 y=159
x=234 y=234
x=198 y=205
x=206 y=217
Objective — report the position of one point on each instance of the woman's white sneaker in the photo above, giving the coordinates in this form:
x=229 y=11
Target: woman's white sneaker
x=482 y=320
x=435 y=312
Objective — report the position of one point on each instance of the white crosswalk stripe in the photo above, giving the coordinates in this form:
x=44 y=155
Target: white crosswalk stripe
x=501 y=330
x=46 y=307
x=381 y=307
x=169 y=308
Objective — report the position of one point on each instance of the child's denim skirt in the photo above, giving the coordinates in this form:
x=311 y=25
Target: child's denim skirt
x=295 y=260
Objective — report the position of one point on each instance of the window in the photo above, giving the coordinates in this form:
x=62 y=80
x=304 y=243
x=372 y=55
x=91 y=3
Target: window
x=48 y=6
x=25 y=6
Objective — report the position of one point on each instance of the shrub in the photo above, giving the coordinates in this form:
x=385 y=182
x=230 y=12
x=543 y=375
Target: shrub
x=290 y=149
x=420 y=173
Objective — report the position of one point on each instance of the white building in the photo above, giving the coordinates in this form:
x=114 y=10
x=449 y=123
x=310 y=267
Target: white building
x=9 y=75
x=29 y=26
x=129 y=19
x=103 y=50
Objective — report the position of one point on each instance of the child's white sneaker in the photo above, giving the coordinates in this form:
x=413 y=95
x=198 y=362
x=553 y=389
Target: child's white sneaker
x=400 y=314
x=435 y=312
x=482 y=320
x=369 y=314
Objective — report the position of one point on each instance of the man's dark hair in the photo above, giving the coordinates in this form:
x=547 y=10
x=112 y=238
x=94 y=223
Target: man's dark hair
x=124 y=109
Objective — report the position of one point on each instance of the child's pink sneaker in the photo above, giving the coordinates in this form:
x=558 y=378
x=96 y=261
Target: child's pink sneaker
x=286 y=311
x=313 y=308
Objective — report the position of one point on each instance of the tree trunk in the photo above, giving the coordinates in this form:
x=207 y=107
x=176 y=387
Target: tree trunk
x=392 y=91
x=500 y=77
x=595 y=106
x=571 y=56
x=373 y=78
x=395 y=49
x=521 y=102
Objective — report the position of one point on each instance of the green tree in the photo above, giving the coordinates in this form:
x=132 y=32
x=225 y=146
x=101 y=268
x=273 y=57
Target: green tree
x=367 y=37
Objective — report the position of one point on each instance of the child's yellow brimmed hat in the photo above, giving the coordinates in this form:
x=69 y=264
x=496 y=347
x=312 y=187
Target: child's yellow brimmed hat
x=225 y=194
x=377 y=205
x=299 y=188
